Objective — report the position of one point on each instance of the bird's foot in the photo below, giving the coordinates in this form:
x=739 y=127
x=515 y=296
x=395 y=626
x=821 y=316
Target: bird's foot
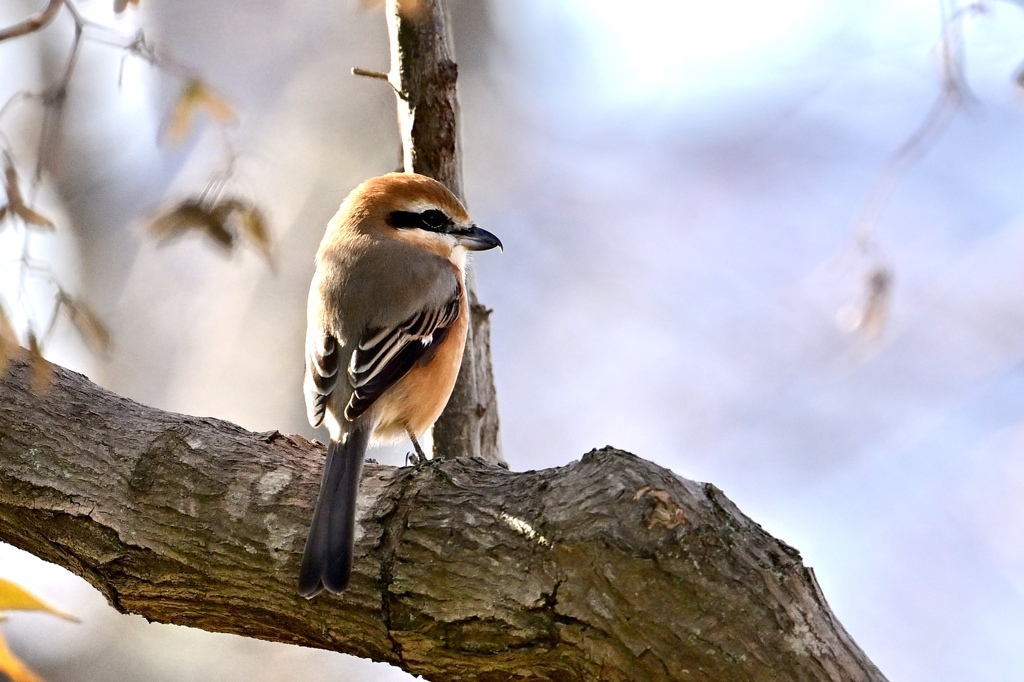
x=418 y=457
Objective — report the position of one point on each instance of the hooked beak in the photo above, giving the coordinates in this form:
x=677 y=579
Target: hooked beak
x=476 y=239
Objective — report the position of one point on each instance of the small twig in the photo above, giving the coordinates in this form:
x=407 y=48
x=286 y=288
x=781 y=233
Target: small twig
x=379 y=75
x=54 y=103
x=34 y=23
x=356 y=71
x=953 y=95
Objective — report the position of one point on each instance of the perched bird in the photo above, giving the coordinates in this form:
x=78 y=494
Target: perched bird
x=387 y=321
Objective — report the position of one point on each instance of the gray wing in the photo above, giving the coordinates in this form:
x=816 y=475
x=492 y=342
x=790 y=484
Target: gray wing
x=384 y=355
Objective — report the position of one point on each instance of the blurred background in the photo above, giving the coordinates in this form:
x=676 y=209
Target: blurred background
x=694 y=200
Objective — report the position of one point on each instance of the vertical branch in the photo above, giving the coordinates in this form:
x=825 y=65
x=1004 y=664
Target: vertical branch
x=424 y=76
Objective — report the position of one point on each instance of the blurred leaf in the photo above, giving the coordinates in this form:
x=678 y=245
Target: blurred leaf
x=254 y=228
x=87 y=322
x=192 y=214
x=15 y=598
x=224 y=221
x=876 y=303
x=195 y=95
x=409 y=9
x=870 y=316
x=218 y=107
x=180 y=122
x=8 y=341
x=226 y=208
x=12 y=669
x=15 y=202
x=42 y=370
x=252 y=225
x=122 y=5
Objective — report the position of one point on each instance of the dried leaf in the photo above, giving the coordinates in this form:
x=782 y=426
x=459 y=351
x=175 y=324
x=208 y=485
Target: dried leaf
x=254 y=228
x=15 y=202
x=42 y=370
x=869 y=317
x=122 y=5
x=194 y=96
x=32 y=218
x=15 y=598
x=88 y=323
x=180 y=122
x=252 y=225
x=12 y=669
x=11 y=183
x=192 y=214
x=218 y=107
x=226 y=208
x=876 y=304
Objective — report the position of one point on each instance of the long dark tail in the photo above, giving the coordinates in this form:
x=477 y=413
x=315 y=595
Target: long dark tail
x=327 y=559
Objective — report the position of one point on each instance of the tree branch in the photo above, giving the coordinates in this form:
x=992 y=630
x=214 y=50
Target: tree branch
x=34 y=23
x=424 y=77
x=610 y=568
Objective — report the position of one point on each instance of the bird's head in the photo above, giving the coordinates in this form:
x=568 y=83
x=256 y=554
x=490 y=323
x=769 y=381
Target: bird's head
x=417 y=210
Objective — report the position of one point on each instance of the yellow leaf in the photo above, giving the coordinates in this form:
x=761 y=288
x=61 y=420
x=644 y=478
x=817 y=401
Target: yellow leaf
x=15 y=598
x=218 y=107
x=195 y=95
x=12 y=669
x=180 y=121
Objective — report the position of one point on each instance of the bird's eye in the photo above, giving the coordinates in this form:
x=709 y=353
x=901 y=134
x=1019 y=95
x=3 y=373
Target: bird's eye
x=431 y=219
x=434 y=219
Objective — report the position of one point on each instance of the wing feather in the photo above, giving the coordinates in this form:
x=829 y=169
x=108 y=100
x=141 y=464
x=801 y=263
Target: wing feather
x=321 y=374
x=383 y=356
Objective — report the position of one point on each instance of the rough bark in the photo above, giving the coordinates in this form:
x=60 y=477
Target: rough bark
x=610 y=568
x=424 y=77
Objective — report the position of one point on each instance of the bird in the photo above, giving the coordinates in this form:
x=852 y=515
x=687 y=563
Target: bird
x=387 y=318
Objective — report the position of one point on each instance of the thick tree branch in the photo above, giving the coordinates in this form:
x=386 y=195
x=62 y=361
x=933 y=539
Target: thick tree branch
x=424 y=77
x=610 y=568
